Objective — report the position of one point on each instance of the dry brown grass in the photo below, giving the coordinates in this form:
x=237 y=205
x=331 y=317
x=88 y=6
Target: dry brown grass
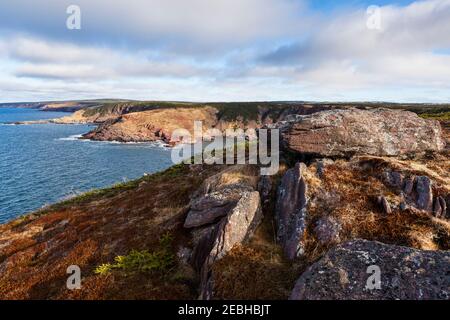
x=250 y=272
x=240 y=174
x=348 y=192
x=36 y=252
x=258 y=269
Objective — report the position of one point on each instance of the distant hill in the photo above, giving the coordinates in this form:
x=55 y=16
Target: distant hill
x=64 y=106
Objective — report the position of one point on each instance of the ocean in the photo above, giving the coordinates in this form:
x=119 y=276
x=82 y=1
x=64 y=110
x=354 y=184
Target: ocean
x=45 y=163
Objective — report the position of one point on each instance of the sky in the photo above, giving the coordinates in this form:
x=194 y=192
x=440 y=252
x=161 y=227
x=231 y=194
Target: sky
x=226 y=50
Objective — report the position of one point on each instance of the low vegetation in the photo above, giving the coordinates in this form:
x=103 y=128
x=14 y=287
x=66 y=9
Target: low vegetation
x=348 y=193
x=160 y=260
x=115 y=189
x=441 y=116
x=129 y=222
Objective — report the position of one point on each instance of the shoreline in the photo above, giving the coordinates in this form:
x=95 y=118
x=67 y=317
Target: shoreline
x=81 y=137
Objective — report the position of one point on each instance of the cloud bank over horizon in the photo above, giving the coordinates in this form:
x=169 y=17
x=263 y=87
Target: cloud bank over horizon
x=226 y=50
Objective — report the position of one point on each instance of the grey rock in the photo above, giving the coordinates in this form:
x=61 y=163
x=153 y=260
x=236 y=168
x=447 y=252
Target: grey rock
x=406 y=274
x=198 y=218
x=327 y=230
x=440 y=207
x=424 y=194
x=437 y=208
x=234 y=229
x=208 y=208
x=322 y=164
x=265 y=188
x=445 y=213
x=409 y=185
x=290 y=212
x=238 y=226
x=184 y=254
x=403 y=206
x=394 y=179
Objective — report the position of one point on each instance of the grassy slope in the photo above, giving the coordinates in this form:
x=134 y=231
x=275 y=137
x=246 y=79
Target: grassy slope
x=94 y=229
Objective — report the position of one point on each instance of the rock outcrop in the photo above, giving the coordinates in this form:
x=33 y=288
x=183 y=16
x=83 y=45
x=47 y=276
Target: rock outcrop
x=344 y=273
x=236 y=228
x=290 y=212
x=147 y=122
x=417 y=192
x=342 y=133
x=213 y=206
x=153 y=125
x=222 y=216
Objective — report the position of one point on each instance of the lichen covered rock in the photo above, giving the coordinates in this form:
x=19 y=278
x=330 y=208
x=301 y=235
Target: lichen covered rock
x=381 y=132
x=346 y=273
x=290 y=212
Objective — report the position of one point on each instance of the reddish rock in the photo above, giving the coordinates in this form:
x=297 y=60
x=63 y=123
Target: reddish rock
x=380 y=132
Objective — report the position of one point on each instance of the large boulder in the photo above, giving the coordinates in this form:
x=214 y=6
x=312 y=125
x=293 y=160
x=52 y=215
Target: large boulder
x=381 y=132
x=236 y=228
x=291 y=211
x=223 y=213
x=347 y=272
x=212 y=206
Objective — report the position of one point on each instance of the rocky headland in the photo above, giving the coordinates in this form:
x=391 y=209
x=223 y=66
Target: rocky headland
x=357 y=189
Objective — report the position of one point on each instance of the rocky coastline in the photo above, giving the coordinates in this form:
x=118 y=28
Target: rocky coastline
x=358 y=190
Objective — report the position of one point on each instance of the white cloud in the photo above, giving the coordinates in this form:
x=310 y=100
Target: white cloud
x=43 y=59
x=197 y=25
x=344 y=53
x=226 y=50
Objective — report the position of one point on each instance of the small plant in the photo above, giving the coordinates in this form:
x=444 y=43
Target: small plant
x=103 y=269
x=143 y=261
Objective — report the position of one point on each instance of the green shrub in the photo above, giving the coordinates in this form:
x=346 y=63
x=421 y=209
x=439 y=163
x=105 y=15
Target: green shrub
x=443 y=116
x=160 y=260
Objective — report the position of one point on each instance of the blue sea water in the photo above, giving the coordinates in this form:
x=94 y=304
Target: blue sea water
x=44 y=163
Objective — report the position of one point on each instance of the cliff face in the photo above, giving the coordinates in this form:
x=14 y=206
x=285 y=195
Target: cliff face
x=198 y=230
x=131 y=123
x=152 y=125
x=151 y=121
